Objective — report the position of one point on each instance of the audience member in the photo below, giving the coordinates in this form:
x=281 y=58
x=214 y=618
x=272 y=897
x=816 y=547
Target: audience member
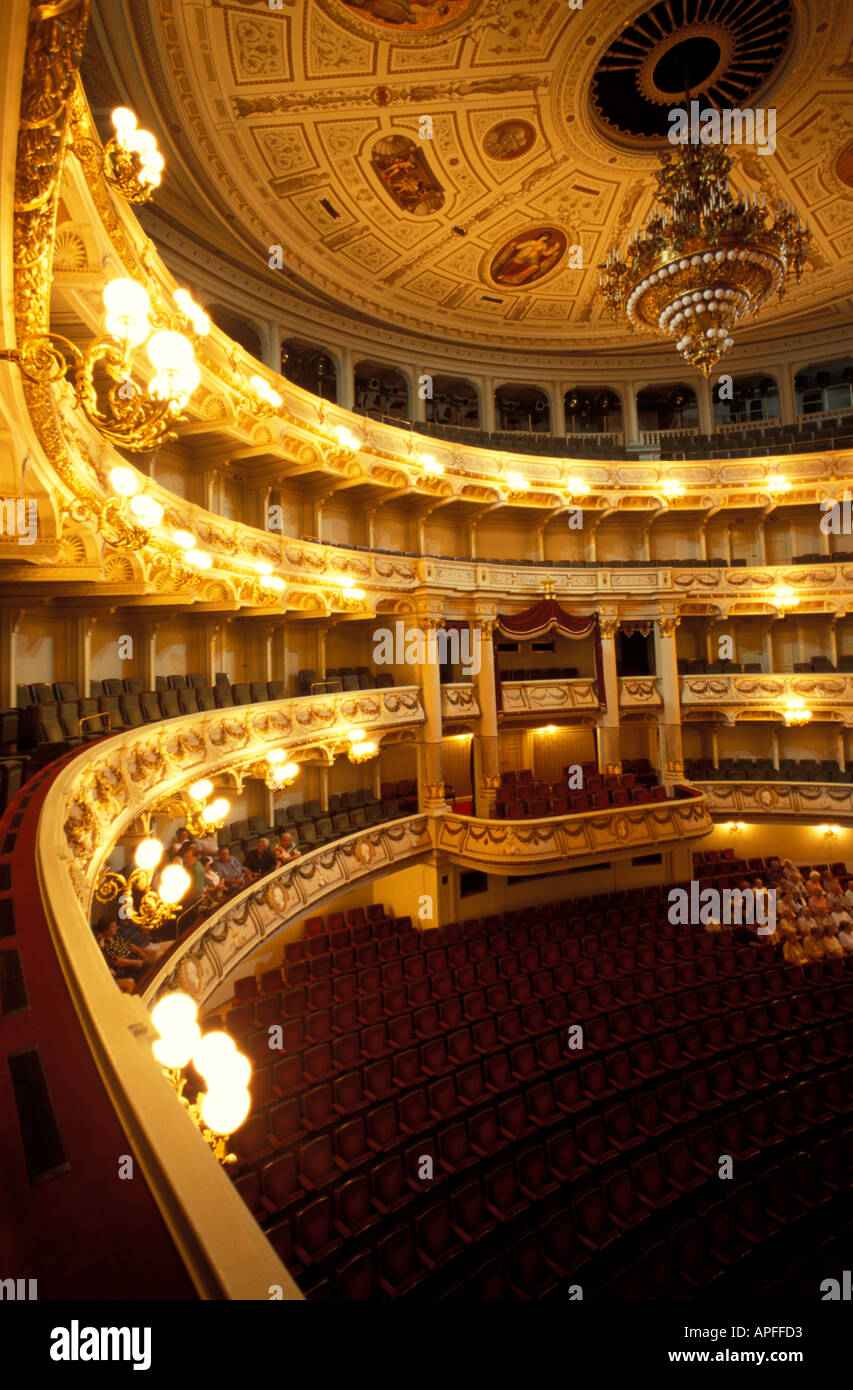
x=285 y=849
x=260 y=860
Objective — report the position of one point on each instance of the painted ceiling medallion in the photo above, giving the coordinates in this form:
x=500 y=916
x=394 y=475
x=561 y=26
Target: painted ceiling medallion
x=403 y=169
x=724 y=50
x=509 y=139
x=411 y=15
x=844 y=167
x=527 y=257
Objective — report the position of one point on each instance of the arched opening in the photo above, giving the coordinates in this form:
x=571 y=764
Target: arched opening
x=238 y=329
x=753 y=399
x=672 y=406
x=310 y=367
x=454 y=402
x=381 y=392
x=522 y=409
x=593 y=410
x=823 y=387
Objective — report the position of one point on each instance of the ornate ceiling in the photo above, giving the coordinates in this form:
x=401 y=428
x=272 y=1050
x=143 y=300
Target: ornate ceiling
x=301 y=124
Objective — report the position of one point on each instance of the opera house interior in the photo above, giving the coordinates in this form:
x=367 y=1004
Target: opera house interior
x=426 y=644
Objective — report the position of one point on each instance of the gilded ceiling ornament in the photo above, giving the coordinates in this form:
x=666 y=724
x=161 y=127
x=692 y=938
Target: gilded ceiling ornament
x=509 y=139
x=528 y=257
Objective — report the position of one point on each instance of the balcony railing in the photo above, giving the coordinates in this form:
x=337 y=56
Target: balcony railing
x=549 y=697
x=822 y=691
x=813 y=800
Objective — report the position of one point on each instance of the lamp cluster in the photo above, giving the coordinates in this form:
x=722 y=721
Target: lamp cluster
x=361 y=748
x=705 y=259
x=223 y=1107
x=132 y=162
x=154 y=908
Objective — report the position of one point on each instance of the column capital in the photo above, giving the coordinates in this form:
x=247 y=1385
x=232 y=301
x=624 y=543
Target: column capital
x=608 y=627
x=668 y=624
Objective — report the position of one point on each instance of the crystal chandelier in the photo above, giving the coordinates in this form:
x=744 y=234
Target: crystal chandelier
x=705 y=259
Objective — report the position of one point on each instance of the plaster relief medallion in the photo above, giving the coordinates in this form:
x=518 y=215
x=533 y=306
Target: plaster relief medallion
x=509 y=139
x=189 y=977
x=844 y=166
x=402 y=167
x=413 y=16
x=527 y=257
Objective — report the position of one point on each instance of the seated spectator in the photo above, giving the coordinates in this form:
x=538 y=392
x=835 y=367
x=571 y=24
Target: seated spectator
x=211 y=877
x=285 y=849
x=260 y=860
x=832 y=947
x=813 y=945
x=838 y=910
x=182 y=838
x=792 y=949
x=232 y=873
x=121 y=955
x=845 y=937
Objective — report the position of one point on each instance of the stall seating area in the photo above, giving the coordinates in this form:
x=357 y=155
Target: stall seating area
x=720 y=868
x=521 y=797
x=547 y=1166
x=762 y=770
x=310 y=826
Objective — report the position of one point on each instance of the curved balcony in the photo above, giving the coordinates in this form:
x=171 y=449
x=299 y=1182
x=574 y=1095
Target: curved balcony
x=95 y=797
x=523 y=846
x=802 y=800
x=829 y=695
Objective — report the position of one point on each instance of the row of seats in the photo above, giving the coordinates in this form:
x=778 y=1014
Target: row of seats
x=815 y=666
x=762 y=770
x=341 y=678
x=390 y=1030
x=475 y=1242
x=310 y=827
x=240 y=693
x=553 y=673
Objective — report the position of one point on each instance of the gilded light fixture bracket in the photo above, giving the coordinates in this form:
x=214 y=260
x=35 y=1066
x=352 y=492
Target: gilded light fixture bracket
x=132 y=421
x=152 y=911
x=120 y=167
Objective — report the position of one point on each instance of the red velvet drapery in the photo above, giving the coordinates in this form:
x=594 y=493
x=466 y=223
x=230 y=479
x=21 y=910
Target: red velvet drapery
x=544 y=617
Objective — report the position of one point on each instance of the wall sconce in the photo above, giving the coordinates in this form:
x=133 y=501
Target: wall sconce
x=576 y=487
x=361 y=749
x=796 y=712
x=129 y=161
x=203 y=816
x=347 y=439
x=734 y=827
x=350 y=593
x=154 y=908
x=265 y=400
x=128 y=415
x=673 y=488
x=223 y=1107
x=830 y=832
x=549 y=729
x=430 y=464
x=276 y=772
x=784 y=598
x=517 y=481
x=777 y=483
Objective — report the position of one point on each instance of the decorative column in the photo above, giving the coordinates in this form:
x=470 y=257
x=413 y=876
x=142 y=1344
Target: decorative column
x=431 y=795
x=487 y=775
x=784 y=375
x=774 y=745
x=320 y=634
x=418 y=403
x=629 y=413
x=9 y=622
x=833 y=643
x=558 y=410
x=671 y=758
x=839 y=748
x=210 y=642
x=149 y=654
x=346 y=385
x=487 y=403
x=83 y=625
x=609 y=752
x=705 y=404
x=715 y=746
